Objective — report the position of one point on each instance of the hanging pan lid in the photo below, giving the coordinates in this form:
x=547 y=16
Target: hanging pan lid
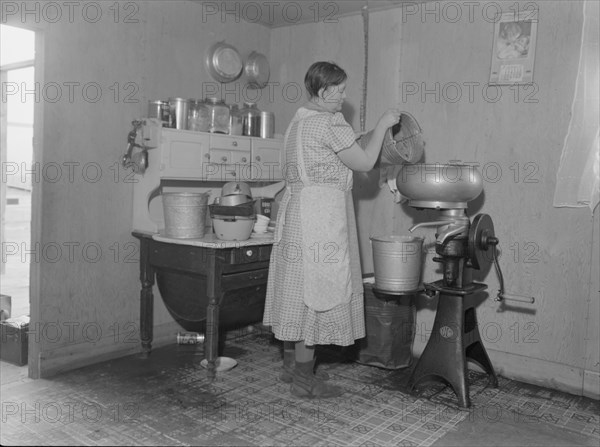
x=257 y=70
x=224 y=62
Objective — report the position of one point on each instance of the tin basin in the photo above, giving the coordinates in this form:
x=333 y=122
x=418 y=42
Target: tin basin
x=439 y=186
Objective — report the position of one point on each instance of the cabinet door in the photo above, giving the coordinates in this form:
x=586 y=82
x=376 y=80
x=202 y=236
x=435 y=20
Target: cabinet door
x=184 y=154
x=267 y=159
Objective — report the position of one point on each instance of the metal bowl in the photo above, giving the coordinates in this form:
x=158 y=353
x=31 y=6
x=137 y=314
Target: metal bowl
x=233 y=200
x=439 y=186
x=232 y=188
x=233 y=228
x=257 y=70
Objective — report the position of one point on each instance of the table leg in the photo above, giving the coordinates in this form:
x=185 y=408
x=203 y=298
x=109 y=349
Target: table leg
x=146 y=298
x=213 y=293
x=212 y=338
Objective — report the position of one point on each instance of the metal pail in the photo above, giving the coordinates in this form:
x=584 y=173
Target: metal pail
x=185 y=214
x=397 y=262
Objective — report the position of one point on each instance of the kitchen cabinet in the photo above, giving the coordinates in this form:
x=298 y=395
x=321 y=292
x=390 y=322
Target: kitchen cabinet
x=189 y=155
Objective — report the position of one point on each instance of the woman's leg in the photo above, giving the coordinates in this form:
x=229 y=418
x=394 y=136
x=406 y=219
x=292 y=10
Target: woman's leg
x=305 y=383
x=290 y=358
x=304 y=353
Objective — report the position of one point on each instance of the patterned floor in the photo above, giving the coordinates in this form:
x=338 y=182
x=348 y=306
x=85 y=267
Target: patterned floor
x=166 y=400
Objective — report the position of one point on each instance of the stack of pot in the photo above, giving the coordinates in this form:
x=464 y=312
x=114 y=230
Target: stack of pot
x=232 y=213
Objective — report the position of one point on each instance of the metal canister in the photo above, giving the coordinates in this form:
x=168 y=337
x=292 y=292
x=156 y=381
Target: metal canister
x=267 y=124
x=179 y=113
x=159 y=110
x=250 y=120
x=189 y=338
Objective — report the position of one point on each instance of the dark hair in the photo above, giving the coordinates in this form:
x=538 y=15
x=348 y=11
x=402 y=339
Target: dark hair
x=322 y=75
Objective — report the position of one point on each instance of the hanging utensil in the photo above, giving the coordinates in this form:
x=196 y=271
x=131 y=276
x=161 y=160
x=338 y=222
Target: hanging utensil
x=257 y=70
x=224 y=62
x=131 y=144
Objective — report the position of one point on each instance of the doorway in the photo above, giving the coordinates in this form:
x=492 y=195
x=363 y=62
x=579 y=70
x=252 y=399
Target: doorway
x=18 y=80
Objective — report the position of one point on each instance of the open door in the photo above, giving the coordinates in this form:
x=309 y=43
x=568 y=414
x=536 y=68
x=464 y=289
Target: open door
x=20 y=127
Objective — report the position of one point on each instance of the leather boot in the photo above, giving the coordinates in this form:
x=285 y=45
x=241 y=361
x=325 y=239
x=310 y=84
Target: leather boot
x=306 y=384
x=287 y=370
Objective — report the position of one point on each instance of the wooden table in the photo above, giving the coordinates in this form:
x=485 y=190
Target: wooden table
x=203 y=279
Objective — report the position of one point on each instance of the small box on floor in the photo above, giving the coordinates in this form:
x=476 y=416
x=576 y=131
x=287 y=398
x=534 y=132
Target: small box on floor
x=14 y=340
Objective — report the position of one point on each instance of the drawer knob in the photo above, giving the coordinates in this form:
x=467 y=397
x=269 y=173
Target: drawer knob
x=234 y=144
x=224 y=158
x=249 y=252
x=244 y=160
x=258 y=158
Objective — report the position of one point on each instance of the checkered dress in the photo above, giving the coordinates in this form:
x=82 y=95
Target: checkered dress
x=324 y=134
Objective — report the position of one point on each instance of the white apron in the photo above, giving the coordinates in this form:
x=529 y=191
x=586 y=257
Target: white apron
x=324 y=246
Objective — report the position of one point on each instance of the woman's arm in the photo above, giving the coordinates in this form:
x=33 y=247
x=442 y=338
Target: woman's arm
x=361 y=160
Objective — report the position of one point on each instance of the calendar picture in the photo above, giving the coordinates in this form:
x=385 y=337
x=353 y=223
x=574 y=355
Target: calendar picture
x=513 y=50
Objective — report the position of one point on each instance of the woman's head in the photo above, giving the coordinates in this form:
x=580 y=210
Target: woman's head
x=326 y=81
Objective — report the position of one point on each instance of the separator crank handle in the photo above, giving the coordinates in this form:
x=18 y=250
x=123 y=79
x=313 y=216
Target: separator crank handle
x=519 y=298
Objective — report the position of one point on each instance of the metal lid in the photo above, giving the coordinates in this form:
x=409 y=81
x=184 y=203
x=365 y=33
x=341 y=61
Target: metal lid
x=214 y=100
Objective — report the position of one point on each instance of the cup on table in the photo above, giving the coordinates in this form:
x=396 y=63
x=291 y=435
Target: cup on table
x=261 y=224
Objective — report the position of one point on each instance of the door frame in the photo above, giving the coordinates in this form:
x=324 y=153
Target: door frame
x=35 y=314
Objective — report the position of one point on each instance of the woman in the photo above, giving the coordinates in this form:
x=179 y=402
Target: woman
x=315 y=290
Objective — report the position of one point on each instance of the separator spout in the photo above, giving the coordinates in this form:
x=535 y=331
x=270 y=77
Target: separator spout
x=436 y=223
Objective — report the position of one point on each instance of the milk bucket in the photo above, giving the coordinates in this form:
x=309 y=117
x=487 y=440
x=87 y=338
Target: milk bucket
x=397 y=263
x=185 y=214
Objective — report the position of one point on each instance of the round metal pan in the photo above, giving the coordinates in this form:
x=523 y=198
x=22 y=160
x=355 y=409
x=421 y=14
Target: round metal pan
x=224 y=63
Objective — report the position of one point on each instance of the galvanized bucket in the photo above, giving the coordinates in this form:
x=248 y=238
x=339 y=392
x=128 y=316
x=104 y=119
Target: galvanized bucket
x=397 y=263
x=185 y=214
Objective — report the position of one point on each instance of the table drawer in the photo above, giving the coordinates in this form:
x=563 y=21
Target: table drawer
x=244 y=279
x=248 y=254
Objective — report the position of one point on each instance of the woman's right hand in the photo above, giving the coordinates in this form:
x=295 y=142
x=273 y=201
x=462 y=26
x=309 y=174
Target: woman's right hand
x=389 y=119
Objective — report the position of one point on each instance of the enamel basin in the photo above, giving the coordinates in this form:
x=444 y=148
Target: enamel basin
x=441 y=186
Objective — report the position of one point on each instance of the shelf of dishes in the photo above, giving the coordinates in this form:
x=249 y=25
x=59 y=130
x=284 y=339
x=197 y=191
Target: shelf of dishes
x=185 y=154
x=213 y=115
